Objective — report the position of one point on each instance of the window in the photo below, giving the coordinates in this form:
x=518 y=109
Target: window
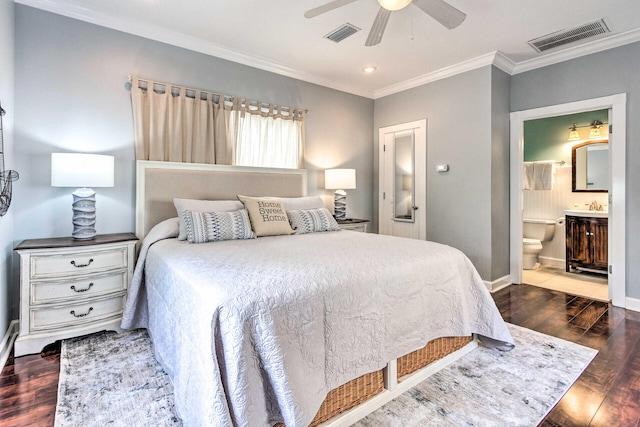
x=269 y=139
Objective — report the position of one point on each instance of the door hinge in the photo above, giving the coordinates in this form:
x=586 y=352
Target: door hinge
x=610 y=199
x=610 y=269
x=384 y=195
x=384 y=147
x=610 y=127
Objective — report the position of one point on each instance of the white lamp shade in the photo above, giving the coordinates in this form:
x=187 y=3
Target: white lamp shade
x=340 y=179
x=81 y=170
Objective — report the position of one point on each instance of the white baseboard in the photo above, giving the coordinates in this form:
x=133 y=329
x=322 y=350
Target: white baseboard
x=632 y=304
x=556 y=262
x=8 y=340
x=498 y=284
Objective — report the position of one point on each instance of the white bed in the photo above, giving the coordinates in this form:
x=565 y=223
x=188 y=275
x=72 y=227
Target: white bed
x=256 y=332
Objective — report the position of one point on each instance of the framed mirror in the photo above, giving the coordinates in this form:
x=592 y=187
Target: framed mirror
x=590 y=167
x=404 y=180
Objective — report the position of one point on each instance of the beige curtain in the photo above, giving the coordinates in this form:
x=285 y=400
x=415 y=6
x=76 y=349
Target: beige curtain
x=176 y=126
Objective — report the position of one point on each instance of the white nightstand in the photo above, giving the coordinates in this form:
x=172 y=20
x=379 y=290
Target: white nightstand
x=72 y=287
x=354 y=224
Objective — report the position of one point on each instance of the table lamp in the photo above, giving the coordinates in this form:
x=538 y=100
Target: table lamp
x=340 y=180
x=82 y=170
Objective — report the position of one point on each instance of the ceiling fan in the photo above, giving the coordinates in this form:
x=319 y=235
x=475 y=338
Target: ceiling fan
x=439 y=10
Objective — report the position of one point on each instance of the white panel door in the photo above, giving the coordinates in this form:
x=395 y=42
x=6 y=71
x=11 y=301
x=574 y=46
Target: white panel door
x=403 y=180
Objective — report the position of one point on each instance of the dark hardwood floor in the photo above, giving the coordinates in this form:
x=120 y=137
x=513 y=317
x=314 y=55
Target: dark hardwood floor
x=606 y=394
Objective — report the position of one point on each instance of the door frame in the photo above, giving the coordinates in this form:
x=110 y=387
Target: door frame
x=617 y=203
x=420 y=147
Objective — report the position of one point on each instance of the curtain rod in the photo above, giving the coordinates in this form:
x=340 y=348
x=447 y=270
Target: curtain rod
x=225 y=97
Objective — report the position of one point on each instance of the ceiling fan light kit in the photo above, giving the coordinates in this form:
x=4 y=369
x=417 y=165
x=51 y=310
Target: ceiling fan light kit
x=439 y=10
x=394 y=5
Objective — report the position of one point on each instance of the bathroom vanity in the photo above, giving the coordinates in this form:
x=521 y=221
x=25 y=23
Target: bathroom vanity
x=587 y=240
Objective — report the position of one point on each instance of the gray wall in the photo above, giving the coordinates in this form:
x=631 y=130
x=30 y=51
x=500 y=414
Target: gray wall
x=461 y=133
x=71 y=95
x=600 y=74
x=500 y=108
x=6 y=98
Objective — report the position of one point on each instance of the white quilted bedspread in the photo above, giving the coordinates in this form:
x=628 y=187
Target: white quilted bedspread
x=258 y=331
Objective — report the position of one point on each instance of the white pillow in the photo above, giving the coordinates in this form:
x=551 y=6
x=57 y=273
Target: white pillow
x=202 y=206
x=205 y=227
x=312 y=221
x=299 y=203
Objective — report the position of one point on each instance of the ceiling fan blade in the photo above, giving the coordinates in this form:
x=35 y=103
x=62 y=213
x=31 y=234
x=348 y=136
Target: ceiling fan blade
x=442 y=12
x=377 y=29
x=312 y=13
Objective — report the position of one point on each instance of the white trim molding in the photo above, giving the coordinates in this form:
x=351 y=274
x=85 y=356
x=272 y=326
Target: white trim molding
x=556 y=262
x=196 y=44
x=498 y=284
x=606 y=43
x=200 y=45
x=633 y=304
x=617 y=106
x=8 y=340
x=494 y=58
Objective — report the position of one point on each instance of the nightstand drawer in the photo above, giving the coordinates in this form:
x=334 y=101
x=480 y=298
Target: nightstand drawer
x=60 y=290
x=62 y=264
x=54 y=317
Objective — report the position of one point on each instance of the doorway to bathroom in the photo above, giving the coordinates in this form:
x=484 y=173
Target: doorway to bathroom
x=554 y=267
x=550 y=143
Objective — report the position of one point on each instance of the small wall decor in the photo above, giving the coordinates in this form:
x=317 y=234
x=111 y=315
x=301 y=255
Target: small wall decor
x=6 y=176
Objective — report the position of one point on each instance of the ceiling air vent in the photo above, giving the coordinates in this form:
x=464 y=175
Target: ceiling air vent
x=342 y=33
x=561 y=38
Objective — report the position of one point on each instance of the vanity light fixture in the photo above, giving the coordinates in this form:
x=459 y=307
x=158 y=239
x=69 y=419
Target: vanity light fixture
x=595 y=129
x=369 y=69
x=594 y=132
x=573 y=134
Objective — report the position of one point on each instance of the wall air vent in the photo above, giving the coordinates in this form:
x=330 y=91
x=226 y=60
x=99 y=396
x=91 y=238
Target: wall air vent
x=561 y=38
x=342 y=32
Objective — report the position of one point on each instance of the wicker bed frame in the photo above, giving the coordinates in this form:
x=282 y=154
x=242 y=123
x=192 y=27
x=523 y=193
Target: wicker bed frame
x=158 y=183
x=361 y=389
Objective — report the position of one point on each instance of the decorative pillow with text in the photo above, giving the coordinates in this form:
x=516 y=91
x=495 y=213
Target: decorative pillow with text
x=268 y=216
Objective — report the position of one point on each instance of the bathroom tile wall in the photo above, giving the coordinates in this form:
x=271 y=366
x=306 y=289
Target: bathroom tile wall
x=551 y=204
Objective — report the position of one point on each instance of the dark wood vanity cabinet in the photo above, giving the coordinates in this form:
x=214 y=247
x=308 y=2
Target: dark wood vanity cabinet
x=587 y=243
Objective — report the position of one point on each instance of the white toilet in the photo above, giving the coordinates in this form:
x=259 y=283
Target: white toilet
x=534 y=232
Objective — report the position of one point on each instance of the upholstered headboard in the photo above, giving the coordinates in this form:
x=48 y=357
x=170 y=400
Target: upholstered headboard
x=158 y=183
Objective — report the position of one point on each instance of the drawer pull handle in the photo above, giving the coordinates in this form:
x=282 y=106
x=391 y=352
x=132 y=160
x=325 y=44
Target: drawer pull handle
x=82 y=265
x=73 y=287
x=81 y=315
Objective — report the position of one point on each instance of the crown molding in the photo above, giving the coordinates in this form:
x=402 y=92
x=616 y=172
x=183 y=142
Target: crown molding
x=187 y=42
x=493 y=58
x=606 y=43
x=195 y=44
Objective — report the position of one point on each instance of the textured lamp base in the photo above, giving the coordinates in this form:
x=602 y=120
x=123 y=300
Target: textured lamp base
x=340 y=205
x=84 y=214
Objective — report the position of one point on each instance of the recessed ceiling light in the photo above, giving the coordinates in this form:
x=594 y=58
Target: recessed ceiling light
x=369 y=69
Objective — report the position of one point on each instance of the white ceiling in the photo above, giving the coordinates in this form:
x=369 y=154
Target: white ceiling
x=275 y=36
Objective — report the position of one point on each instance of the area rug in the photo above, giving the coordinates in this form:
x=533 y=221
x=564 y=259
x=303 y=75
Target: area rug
x=114 y=380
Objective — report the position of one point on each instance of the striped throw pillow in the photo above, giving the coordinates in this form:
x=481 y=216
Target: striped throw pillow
x=215 y=226
x=312 y=220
